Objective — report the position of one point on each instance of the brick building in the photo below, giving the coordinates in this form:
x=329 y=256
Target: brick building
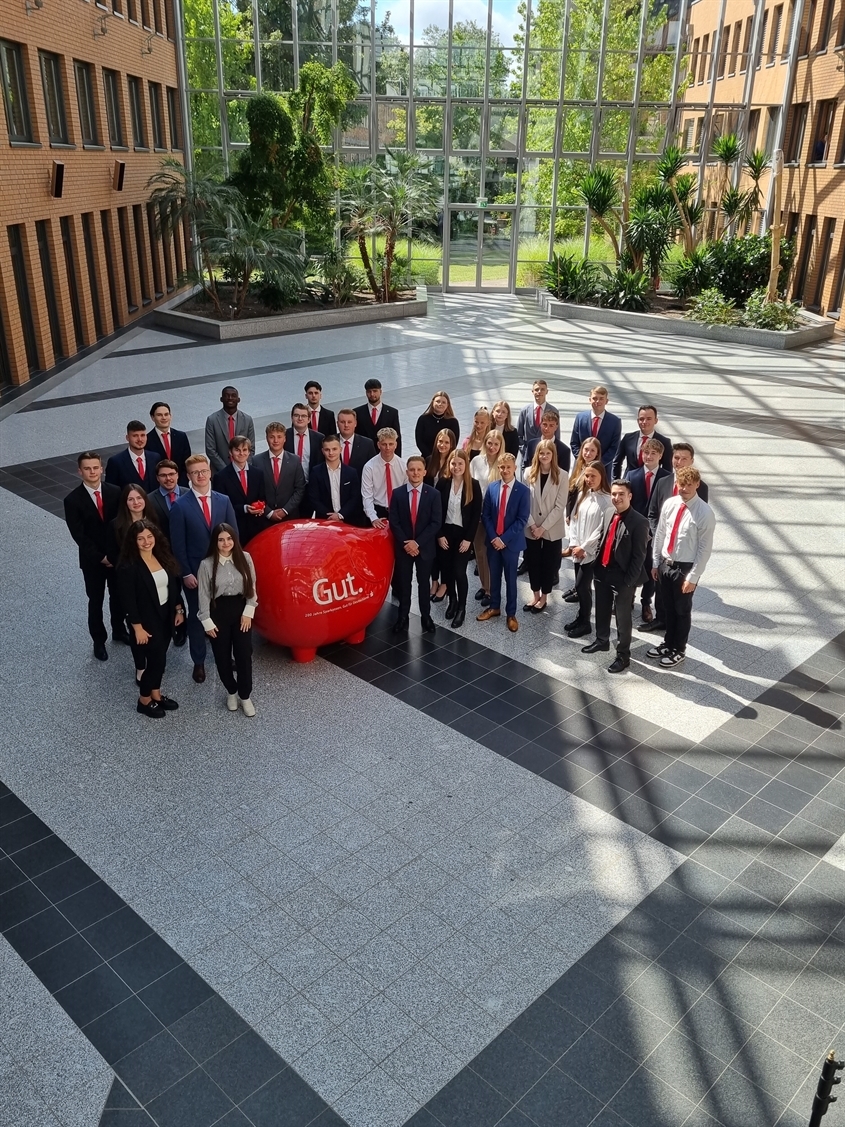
x=90 y=95
x=774 y=72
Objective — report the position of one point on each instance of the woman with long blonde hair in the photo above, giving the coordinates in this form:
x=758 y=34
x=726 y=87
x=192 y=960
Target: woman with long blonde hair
x=485 y=469
x=500 y=418
x=460 y=501
x=549 y=485
x=481 y=425
x=436 y=468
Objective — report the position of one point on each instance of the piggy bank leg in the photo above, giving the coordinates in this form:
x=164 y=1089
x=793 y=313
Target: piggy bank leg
x=357 y=638
x=303 y=653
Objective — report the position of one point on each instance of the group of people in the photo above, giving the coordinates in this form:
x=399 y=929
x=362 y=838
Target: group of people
x=164 y=530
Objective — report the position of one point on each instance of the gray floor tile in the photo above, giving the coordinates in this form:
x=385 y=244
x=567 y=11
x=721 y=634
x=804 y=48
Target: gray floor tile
x=379 y=1027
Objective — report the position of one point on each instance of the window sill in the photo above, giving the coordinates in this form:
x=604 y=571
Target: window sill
x=140 y=149
x=160 y=150
x=25 y=145
x=133 y=308
x=65 y=146
x=175 y=149
x=147 y=301
x=119 y=148
x=817 y=164
x=94 y=148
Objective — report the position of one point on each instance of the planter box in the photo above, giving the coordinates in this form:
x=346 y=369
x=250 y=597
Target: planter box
x=292 y=322
x=819 y=328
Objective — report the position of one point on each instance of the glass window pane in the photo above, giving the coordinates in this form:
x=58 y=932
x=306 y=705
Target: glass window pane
x=532 y=245
x=356 y=129
x=464 y=179
x=497 y=233
x=199 y=20
x=236 y=121
x=392 y=124
x=620 y=72
x=201 y=58
x=274 y=19
x=623 y=25
x=205 y=119
x=468 y=65
x=319 y=53
x=393 y=19
x=537 y=179
x=392 y=70
x=540 y=129
x=581 y=76
x=651 y=130
x=613 y=131
x=505 y=72
x=504 y=128
x=277 y=66
x=238 y=64
x=314 y=20
x=463 y=247
x=570 y=175
x=577 y=130
x=466 y=126
x=430 y=72
x=569 y=230
x=500 y=179
x=544 y=74
x=428 y=124
x=358 y=60
x=656 y=79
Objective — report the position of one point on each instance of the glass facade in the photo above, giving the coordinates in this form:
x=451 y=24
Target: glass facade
x=509 y=101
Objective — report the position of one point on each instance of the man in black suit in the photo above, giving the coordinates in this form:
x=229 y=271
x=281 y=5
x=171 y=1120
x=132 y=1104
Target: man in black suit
x=549 y=427
x=414 y=516
x=334 y=490
x=89 y=511
x=307 y=445
x=643 y=481
x=373 y=415
x=619 y=568
x=320 y=418
x=629 y=456
x=168 y=442
x=166 y=495
x=283 y=479
x=243 y=484
x=135 y=465
x=355 y=450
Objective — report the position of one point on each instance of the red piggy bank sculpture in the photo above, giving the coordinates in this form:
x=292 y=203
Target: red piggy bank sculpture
x=319 y=582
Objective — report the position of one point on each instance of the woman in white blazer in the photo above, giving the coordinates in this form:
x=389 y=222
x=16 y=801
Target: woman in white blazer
x=584 y=530
x=549 y=485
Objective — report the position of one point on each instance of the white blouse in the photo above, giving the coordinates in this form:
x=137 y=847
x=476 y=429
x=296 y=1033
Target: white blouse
x=480 y=469
x=585 y=524
x=160 y=579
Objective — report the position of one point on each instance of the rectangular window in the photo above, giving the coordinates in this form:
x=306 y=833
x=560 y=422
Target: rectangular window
x=753 y=130
x=825 y=251
x=23 y=295
x=43 y=236
x=724 y=46
x=14 y=91
x=735 y=47
x=775 y=36
x=167 y=249
x=702 y=66
x=699 y=131
x=795 y=127
x=5 y=366
x=693 y=67
x=132 y=10
x=145 y=13
x=689 y=135
x=807 y=20
x=174 y=118
x=168 y=18
x=746 y=45
x=136 y=108
x=91 y=263
x=107 y=248
x=72 y=285
x=156 y=118
x=834 y=306
x=111 y=86
x=151 y=230
x=85 y=101
x=805 y=258
x=787 y=39
x=823 y=133
x=126 y=258
x=825 y=25
x=156 y=16
x=759 y=54
x=138 y=223
x=54 y=98
x=772 y=118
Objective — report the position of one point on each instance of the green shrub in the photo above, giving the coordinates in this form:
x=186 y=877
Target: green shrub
x=625 y=289
x=340 y=278
x=779 y=315
x=692 y=274
x=571 y=279
x=712 y=308
x=741 y=265
x=279 y=292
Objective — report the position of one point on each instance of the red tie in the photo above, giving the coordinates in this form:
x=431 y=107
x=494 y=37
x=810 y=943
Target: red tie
x=673 y=536
x=231 y=427
x=503 y=504
x=165 y=441
x=388 y=481
x=374 y=414
x=140 y=462
x=314 y=420
x=346 y=453
x=649 y=475
x=99 y=497
x=276 y=470
x=414 y=509
x=206 y=510
x=675 y=489
x=537 y=413
x=643 y=441
x=299 y=450
x=242 y=475
x=596 y=425
x=172 y=497
x=608 y=544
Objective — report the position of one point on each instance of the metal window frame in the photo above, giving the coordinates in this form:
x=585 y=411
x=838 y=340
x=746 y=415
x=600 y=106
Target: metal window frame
x=15 y=51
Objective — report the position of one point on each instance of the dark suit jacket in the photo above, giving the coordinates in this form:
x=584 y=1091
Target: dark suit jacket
x=630 y=545
x=93 y=534
x=427 y=429
x=121 y=470
x=139 y=597
x=326 y=422
x=661 y=493
x=180 y=449
x=610 y=433
x=361 y=451
x=517 y=513
x=427 y=528
x=312 y=447
x=626 y=458
x=290 y=489
x=564 y=457
x=470 y=514
x=320 y=494
x=228 y=481
x=159 y=506
x=389 y=417
x=190 y=535
x=636 y=479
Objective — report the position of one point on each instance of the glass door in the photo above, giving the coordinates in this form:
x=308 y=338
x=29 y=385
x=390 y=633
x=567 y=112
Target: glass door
x=478 y=254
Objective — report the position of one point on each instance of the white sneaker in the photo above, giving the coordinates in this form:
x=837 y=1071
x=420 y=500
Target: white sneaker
x=247 y=706
x=232 y=702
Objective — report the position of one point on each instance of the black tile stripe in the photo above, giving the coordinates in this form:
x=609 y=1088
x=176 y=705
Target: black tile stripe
x=180 y=1053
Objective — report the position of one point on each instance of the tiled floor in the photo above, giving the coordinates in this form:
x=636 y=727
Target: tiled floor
x=460 y=880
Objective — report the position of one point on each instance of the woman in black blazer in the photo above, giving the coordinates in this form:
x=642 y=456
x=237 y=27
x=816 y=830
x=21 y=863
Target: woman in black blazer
x=148 y=579
x=437 y=415
x=460 y=501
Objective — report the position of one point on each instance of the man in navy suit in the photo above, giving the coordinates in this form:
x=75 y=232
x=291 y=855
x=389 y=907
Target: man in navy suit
x=243 y=484
x=629 y=456
x=414 y=515
x=506 y=508
x=355 y=450
x=598 y=423
x=334 y=490
x=642 y=481
x=191 y=521
x=135 y=465
x=166 y=495
x=549 y=428
x=168 y=442
x=306 y=444
x=320 y=418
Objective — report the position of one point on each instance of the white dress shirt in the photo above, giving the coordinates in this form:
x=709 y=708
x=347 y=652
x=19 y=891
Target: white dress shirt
x=453 y=509
x=334 y=486
x=585 y=524
x=374 y=485
x=694 y=538
x=480 y=469
x=135 y=455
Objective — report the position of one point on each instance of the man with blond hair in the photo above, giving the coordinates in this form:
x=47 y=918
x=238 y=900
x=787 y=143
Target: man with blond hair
x=505 y=512
x=598 y=423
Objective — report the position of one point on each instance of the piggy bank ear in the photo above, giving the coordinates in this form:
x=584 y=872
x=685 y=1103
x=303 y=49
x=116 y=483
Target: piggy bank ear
x=319 y=582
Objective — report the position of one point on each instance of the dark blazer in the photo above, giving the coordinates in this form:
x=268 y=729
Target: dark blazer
x=470 y=514
x=516 y=514
x=320 y=494
x=312 y=448
x=139 y=598
x=360 y=452
x=326 y=422
x=427 y=429
x=93 y=534
x=290 y=489
x=610 y=434
x=626 y=458
x=511 y=438
x=630 y=544
x=389 y=417
x=121 y=470
x=180 y=449
x=190 y=535
x=564 y=457
x=636 y=479
x=161 y=513
x=661 y=493
x=428 y=520
x=228 y=481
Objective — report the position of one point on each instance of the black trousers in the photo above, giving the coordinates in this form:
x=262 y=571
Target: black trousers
x=605 y=593
x=97 y=579
x=584 y=591
x=155 y=654
x=677 y=607
x=543 y=559
x=453 y=564
x=232 y=643
x=403 y=577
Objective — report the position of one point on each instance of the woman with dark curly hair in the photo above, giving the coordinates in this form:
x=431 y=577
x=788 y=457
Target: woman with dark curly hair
x=227 y=602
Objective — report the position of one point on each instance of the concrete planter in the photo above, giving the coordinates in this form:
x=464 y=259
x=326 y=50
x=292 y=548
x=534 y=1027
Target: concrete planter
x=292 y=322
x=818 y=328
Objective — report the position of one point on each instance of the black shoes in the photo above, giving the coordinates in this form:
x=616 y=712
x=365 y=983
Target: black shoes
x=653 y=627
x=121 y=636
x=428 y=626
x=460 y=616
x=570 y=596
x=167 y=704
x=578 y=630
x=199 y=674
x=100 y=651
x=451 y=609
x=400 y=625
x=596 y=648
x=154 y=709
x=479 y=594
x=523 y=567
x=619 y=665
